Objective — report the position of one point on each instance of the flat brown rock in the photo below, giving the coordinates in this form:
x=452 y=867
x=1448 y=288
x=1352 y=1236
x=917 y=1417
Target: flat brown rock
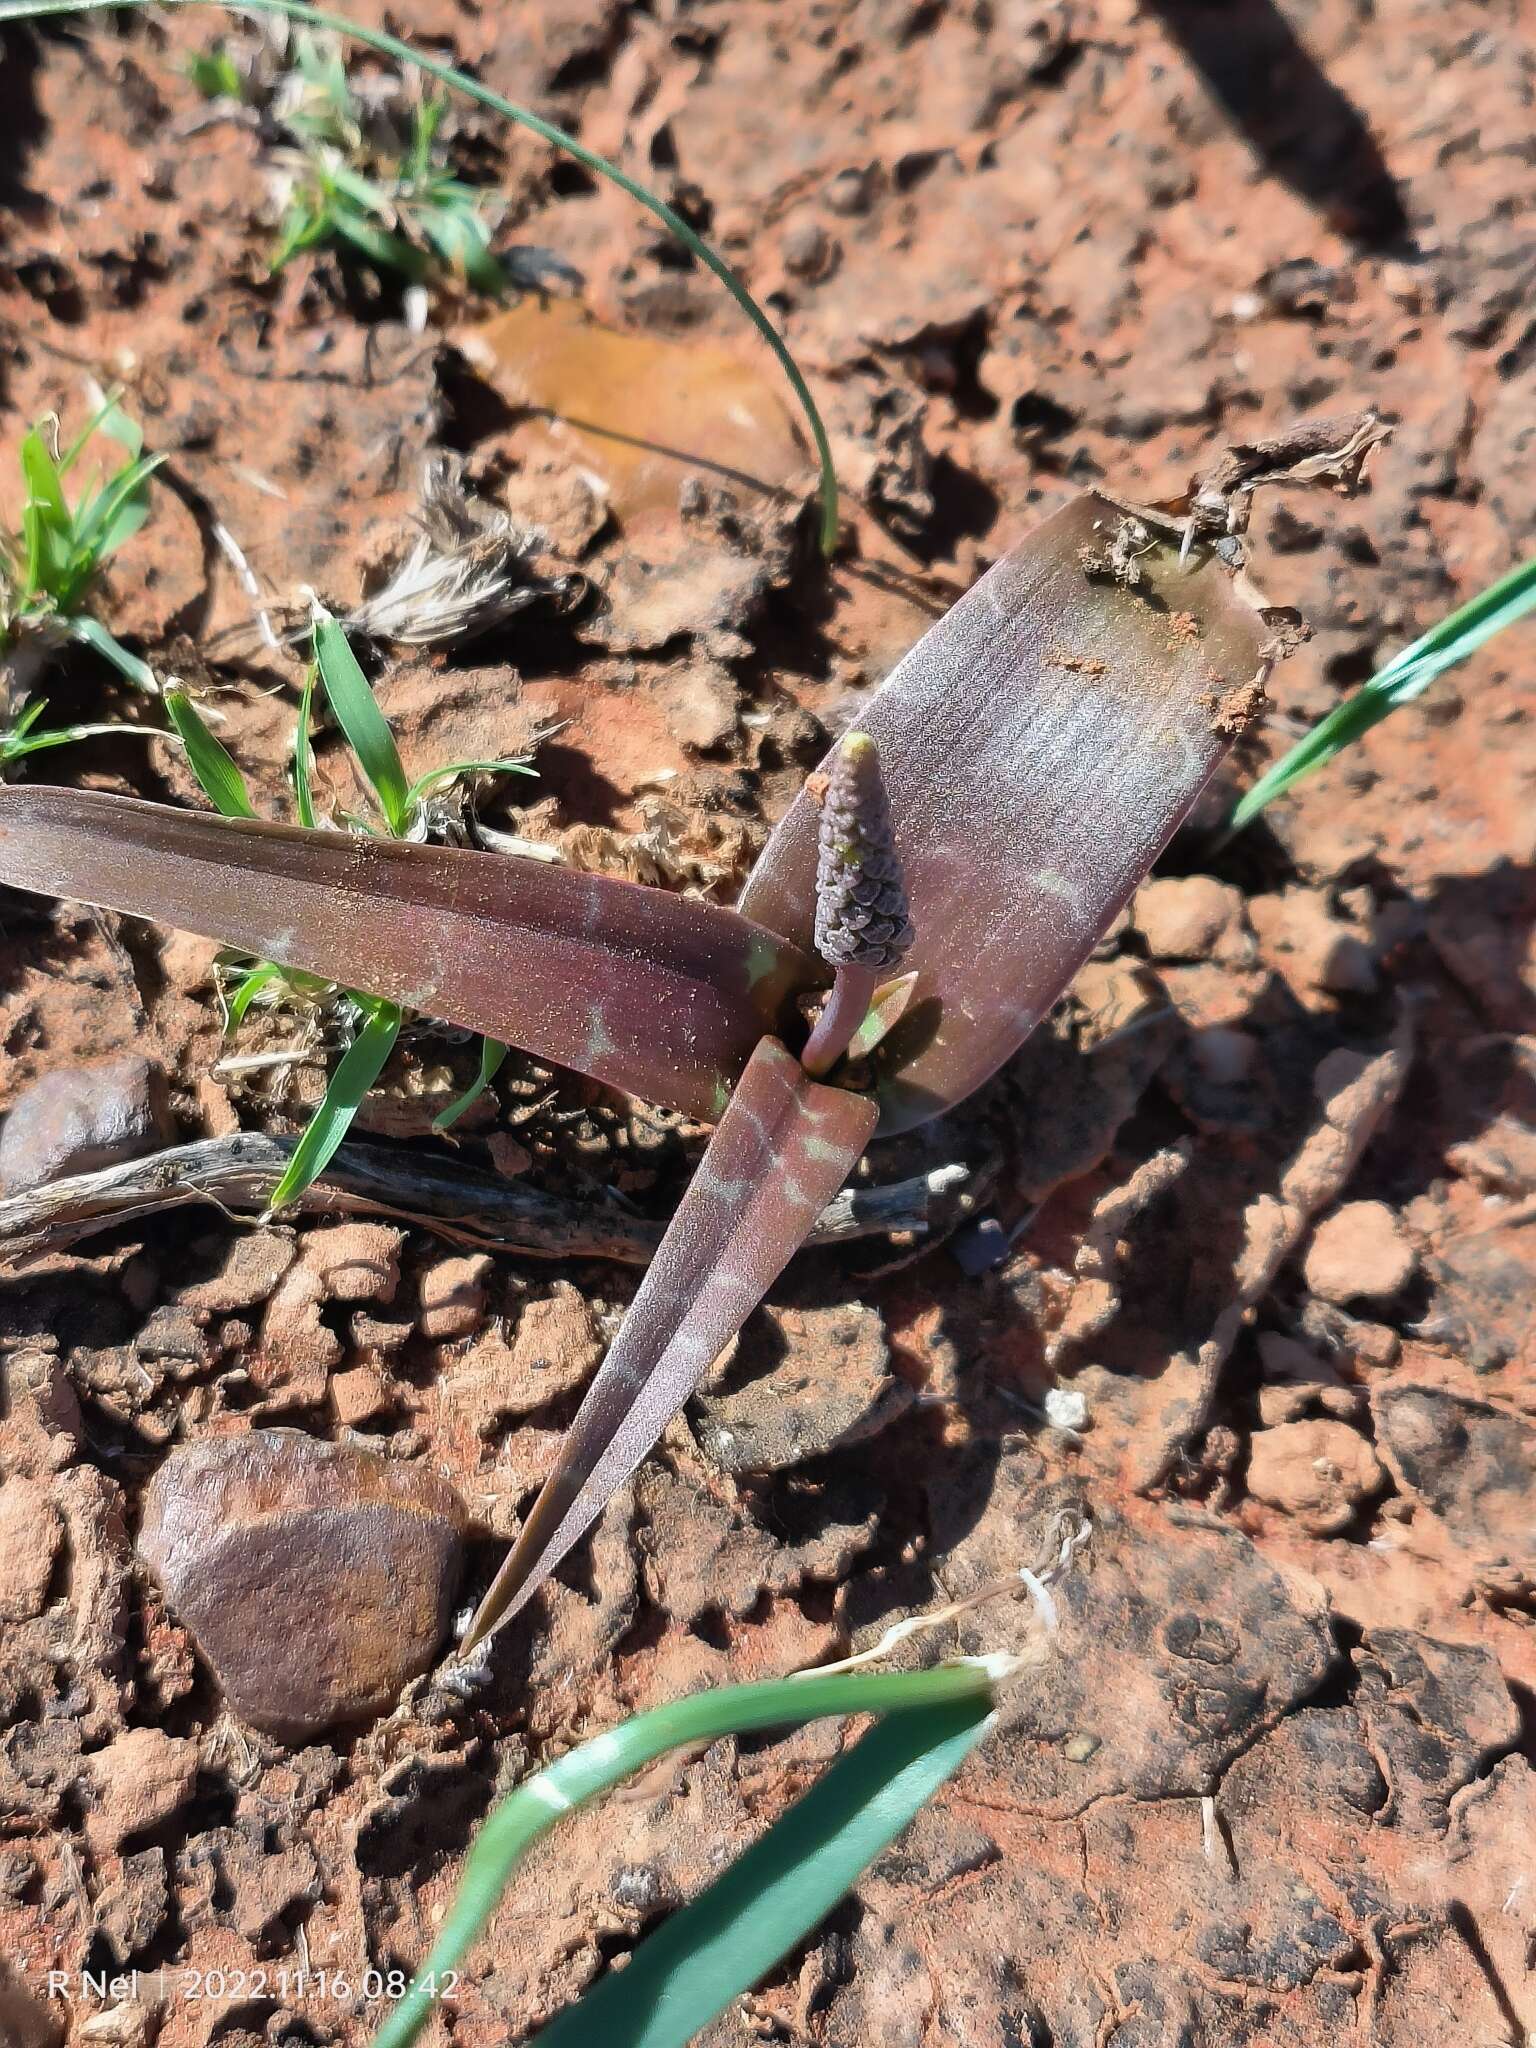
x=317 y=1578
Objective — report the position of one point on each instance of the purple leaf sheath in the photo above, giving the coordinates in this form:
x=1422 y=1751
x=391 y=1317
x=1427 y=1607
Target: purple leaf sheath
x=1039 y=744
x=782 y=1150
x=656 y=994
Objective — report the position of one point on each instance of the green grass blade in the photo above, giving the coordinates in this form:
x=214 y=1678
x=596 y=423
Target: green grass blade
x=455 y=770
x=363 y=723
x=492 y=1053
x=689 y=1970
x=93 y=634
x=383 y=249
x=22 y=740
x=251 y=986
x=1406 y=676
x=114 y=515
x=364 y=194
x=596 y=1766
x=215 y=74
x=356 y=1071
x=210 y=761
x=118 y=426
x=304 y=753
x=461 y=239
x=524 y=117
x=45 y=519
x=301 y=227
x=1454 y=638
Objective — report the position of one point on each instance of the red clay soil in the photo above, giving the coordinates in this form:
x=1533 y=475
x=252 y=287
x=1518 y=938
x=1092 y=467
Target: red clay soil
x=1268 y=1175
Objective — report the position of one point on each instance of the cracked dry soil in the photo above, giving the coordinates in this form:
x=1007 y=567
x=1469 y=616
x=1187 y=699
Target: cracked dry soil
x=1266 y=1177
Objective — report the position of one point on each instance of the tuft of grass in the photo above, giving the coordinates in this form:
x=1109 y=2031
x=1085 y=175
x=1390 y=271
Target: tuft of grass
x=680 y=1977
x=395 y=205
x=1406 y=676
x=369 y=1024
x=524 y=117
x=50 y=565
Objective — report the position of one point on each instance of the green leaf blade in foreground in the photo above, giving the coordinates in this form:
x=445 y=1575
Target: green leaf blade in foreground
x=1406 y=676
x=596 y=1766
x=691 y=1968
x=363 y=723
x=356 y=1072
x=210 y=761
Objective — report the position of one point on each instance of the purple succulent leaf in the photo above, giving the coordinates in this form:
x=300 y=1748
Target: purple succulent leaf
x=778 y=1155
x=657 y=994
x=1039 y=746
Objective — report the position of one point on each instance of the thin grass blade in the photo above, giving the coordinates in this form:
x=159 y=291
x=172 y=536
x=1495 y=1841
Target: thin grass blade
x=384 y=249
x=455 y=771
x=690 y=1969
x=1406 y=676
x=304 y=754
x=363 y=723
x=45 y=518
x=260 y=976
x=22 y=739
x=356 y=1071
x=116 y=513
x=780 y=1152
x=492 y=1054
x=217 y=775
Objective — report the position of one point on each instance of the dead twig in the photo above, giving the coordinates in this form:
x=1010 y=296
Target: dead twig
x=237 y=1173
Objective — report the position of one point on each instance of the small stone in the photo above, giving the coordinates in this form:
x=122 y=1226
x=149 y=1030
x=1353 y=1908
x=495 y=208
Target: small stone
x=508 y=1156
x=1066 y=1409
x=1077 y=1749
x=296 y=1349
x=1317 y=1471
x=131 y=1909
x=81 y=1119
x=355 y=1261
x=1359 y=1253
x=453 y=1297
x=1187 y=917
x=318 y=1579
x=1311 y=948
x=249 y=1270
x=30 y=1531
x=556 y=1349
x=141 y=1779
x=851 y=192
x=42 y=1414
x=360 y=1395
x=809 y=251
x=378 y=1336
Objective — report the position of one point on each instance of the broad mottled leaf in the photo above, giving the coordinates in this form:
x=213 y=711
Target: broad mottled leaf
x=653 y=993
x=1040 y=744
x=779 y=1154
